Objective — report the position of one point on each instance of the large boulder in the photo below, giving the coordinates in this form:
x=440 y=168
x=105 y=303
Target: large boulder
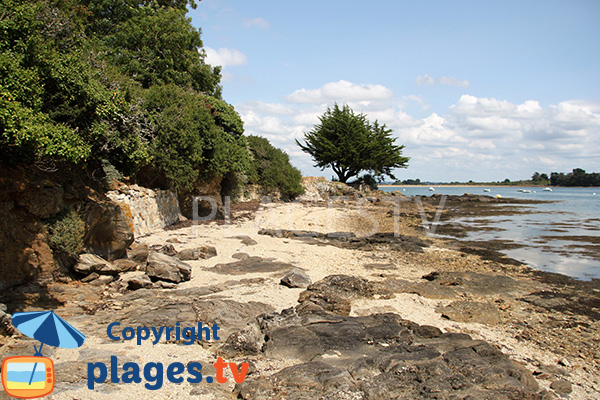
x=163 y=267
x=109 y=230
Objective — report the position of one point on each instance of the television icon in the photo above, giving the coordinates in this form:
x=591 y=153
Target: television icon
x=28 y=377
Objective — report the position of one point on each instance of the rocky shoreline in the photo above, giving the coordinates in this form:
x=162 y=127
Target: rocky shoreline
x=323 y=304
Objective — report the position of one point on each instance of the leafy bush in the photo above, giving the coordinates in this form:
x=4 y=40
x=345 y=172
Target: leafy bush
x=271 y=168
x=186 y=140
x=66 y=232
x=368 y=180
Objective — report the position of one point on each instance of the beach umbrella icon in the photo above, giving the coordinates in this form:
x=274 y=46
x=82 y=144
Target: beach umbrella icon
x=48 y=328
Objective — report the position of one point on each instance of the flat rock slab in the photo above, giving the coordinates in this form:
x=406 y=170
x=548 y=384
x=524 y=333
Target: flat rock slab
x=380 y=356
x=156 y=308
x=335 y=292
x=247 y=240
x=348 y=240
x=252 y=265
x=471 y=311
x=383 y=267
x=452 y=285
x=203 y=252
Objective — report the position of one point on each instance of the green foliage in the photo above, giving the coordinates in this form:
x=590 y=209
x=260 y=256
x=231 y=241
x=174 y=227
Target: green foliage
x=578 y=177
x=66 y=232
x=271 y=168
x=349 y=144
x=187 y=140
x=368 y=180
x=123 y=82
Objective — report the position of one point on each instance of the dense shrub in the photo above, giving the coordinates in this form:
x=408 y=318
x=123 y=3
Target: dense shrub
x=187 y=144
x=270 y=167
x=65 y=233
x=368 y=180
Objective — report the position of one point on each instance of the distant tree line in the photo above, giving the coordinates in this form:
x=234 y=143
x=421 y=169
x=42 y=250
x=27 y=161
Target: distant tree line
x=578 y=177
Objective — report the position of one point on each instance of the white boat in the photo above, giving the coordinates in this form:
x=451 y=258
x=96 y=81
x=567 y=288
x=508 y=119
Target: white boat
x=547 y=189
x=431 y=189
x=526 y=191
x=487 y=190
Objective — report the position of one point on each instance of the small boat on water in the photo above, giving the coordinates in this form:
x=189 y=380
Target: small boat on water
x=498 y=196
x=547 y=189
x=431 y=189
x=487 y=190
x=525 y=191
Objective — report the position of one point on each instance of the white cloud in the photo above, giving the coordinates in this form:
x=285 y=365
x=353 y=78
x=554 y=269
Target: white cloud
x=449 y=81
x=425 y=80
x=475 y=137
x=342 y=92
x=429 y=80
x=225 y=57
x=256 y=22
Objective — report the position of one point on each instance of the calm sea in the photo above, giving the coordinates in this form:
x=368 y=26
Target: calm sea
x=562 y=237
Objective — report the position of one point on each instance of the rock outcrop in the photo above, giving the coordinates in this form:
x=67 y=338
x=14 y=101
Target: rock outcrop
x=379 y=356
x=151 y=209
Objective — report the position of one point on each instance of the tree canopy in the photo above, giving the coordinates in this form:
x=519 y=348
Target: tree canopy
x=350 y=144
x=270 y=167
x=578 y=177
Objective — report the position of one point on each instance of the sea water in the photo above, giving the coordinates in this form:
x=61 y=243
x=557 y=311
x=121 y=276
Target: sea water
x=562 y=236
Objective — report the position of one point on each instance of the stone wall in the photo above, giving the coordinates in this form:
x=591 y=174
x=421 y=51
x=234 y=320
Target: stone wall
x=320 y=189
x=151 y=210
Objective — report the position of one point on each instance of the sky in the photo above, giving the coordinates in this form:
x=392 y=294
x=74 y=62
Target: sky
x=474 y=90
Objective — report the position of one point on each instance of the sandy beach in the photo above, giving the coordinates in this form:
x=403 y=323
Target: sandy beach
x=553 y=346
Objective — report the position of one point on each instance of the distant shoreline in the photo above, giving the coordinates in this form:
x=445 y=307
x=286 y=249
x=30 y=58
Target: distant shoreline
x=484 y=186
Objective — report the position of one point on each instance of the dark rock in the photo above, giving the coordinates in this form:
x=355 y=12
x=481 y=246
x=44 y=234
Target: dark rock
x=284 y=233
x=380 y=356
x=561 y=387
x=90 y=277
x=247 y=240
x=348 y=241
x=167 y=249
x=334 y=293
x=196 y=253
x=340 y=235
x=125 y=265
x=471 y=311
x=164 y=285
x=384 y=267
x=164 y=267
x=240 y=256
x=252 y=265
x=102 y=280
x=6 y=326
x=141 y=281
x=296 y=278
x=139 y=254
x=249 y=340
x=349 y=287
x=109 y=230
x=89 y=263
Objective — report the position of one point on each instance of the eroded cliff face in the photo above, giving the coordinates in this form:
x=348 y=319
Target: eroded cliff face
x=30 y=199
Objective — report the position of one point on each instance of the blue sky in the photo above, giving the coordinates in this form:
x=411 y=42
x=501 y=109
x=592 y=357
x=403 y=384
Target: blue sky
x=474 y=90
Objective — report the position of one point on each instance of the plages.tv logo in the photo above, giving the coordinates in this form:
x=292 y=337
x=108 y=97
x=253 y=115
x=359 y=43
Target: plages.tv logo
x=29 y=377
